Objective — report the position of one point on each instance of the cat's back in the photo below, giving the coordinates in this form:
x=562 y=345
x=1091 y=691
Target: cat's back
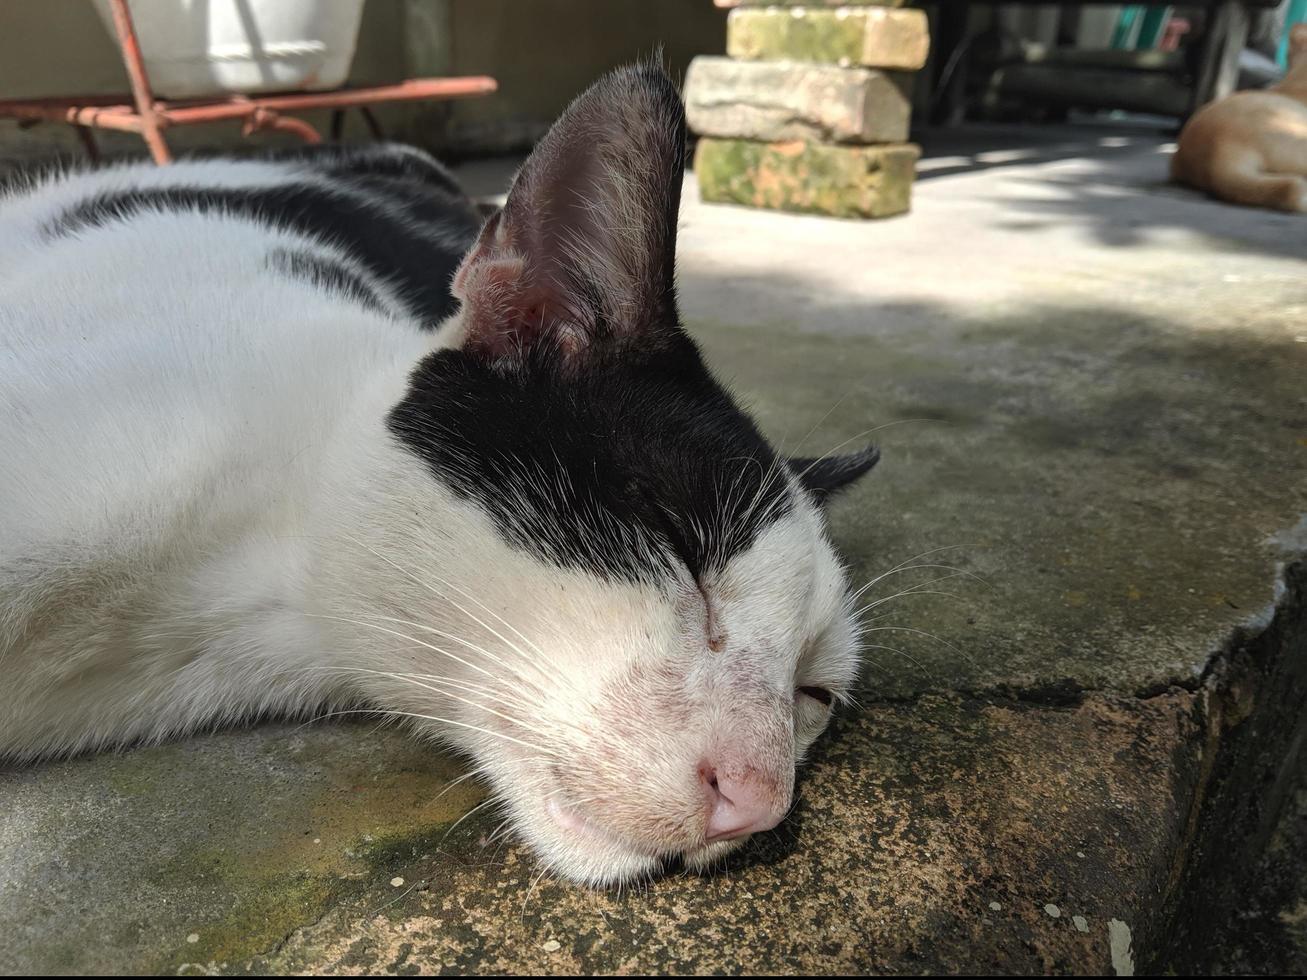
x=170 y=337
x=1271 y=124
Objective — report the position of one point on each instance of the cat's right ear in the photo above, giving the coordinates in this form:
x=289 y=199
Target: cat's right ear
x=583 y=250
x=826 y=476
x=1297 y=46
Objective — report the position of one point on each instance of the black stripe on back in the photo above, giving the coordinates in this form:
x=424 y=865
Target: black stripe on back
x=416 y=256
x=396 y=161
x=322 y=271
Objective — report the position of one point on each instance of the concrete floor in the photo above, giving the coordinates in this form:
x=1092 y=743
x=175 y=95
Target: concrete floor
x=1091 y=392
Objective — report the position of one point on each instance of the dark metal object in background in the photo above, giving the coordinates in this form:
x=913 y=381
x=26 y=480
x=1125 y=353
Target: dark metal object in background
x=1209 y=74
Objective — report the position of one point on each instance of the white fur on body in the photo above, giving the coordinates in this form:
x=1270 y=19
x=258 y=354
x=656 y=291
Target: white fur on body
x=203 y=518
x=170 y=412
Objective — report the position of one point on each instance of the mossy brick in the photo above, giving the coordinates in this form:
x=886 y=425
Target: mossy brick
x=874 y=37
x=809 y=3
x=818 y=178
x=770 y=101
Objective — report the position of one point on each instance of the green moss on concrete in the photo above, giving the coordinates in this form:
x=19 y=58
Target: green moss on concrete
x=395 y=852
x=238 y=839
x=258 y=922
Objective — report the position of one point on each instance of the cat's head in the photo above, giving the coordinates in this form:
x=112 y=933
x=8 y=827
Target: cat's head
x=602 y=582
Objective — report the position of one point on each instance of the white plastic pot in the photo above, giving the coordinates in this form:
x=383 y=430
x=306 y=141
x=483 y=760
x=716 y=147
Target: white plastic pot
x=195 y=48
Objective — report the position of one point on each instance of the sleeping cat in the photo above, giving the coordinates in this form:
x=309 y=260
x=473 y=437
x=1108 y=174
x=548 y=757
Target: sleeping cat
x=284 y=436
x=1251 y=147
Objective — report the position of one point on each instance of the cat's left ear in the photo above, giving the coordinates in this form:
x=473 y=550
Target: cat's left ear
x=826 y=476
x=583 y=251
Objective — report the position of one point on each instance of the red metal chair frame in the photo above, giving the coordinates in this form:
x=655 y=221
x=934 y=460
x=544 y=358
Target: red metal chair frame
x=150 y=117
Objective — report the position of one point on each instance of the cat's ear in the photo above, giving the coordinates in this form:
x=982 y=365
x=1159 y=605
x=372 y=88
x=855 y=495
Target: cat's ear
x=828 y=475
x=1297 y=46
x=584 y=248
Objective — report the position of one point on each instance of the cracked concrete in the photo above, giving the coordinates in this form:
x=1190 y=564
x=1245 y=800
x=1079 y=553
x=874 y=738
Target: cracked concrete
x=1089 y=389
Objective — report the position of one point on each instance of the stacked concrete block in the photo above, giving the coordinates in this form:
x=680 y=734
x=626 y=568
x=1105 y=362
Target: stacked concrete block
x=809 y=110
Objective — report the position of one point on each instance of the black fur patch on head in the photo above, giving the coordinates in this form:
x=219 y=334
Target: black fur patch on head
x=576 y=412
x=404 y=223
x=636 y=466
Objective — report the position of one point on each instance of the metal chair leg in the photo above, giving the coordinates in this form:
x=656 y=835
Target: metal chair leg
x=374 y=127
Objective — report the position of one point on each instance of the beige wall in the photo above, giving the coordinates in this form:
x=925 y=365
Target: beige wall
x=546 y=51
x=542 y=51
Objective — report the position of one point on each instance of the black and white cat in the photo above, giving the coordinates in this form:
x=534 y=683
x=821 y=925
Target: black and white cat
x=280 y=436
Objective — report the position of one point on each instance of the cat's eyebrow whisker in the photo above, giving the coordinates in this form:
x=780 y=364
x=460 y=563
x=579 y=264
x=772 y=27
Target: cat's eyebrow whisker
x=536 y=658
x=402 y=636
x=868 y=660
x=468 y=595
x=344 y=669
x=858 y=593
x=521 y=698
x=912 y=660
x=458 y=639
x=471 y=774
x=923 y=588
x=518 y=699
x=953 y=569
x=818 y=424
x=851 y=697
x=504 y=697
x=478 y=705
x=475 y=619
x=488 y=801
x=411 y=679
x=909 y=629
x=927 y=554
x=860 y=614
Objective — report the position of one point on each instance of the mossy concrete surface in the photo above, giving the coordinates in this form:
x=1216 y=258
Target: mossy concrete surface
x=876 y=37
x=1090 y=393
x=811 y=178
x=210 y=849
x=810 y=3
x=929 y=835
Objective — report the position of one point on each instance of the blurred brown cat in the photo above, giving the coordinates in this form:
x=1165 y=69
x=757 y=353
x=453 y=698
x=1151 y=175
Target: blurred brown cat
x=1251 y=147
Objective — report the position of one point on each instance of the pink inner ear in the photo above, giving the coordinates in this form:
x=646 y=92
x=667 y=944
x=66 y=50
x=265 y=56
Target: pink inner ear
x=506 y=311
x=496 y=314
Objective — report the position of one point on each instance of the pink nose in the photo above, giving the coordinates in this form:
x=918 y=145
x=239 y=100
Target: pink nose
x=739 y=804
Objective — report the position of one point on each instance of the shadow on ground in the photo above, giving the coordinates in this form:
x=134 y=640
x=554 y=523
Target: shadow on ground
x=1097 y=487
x=1113 y=179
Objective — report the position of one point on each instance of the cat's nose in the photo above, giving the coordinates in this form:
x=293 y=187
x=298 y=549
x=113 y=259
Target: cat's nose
x=740 y=802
